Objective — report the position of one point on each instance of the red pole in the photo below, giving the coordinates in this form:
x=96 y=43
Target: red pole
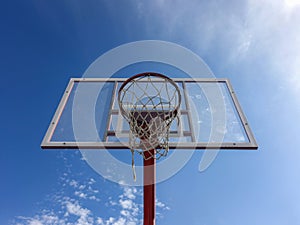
x=149 y=189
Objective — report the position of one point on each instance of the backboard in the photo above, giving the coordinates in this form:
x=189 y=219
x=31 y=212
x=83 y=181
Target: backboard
x=88 y=117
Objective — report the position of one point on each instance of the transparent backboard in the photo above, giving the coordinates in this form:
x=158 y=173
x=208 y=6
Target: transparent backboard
x=88 y=117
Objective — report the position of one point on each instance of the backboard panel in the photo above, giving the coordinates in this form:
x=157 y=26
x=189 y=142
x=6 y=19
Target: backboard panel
x=88 y=116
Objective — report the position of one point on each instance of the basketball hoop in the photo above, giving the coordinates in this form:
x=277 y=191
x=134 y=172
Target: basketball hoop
x=149 y=102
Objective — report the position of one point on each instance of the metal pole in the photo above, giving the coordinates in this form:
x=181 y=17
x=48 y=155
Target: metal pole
x=149 y=188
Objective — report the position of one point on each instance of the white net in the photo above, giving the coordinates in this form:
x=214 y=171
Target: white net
x=149 y=102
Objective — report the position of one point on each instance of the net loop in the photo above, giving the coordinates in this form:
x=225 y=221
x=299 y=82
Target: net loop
x=149 y=102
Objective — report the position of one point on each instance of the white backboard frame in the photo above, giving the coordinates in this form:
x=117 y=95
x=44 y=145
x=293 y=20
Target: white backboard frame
x=47 y=143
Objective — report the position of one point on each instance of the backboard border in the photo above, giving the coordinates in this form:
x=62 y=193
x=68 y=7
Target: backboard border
x=48 y=144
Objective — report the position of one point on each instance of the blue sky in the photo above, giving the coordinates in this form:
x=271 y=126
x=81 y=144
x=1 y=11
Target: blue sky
x=256 y=44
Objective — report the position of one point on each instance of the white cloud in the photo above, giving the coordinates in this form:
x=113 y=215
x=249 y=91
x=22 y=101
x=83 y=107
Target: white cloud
x=99 y=221
x=73 y=183
x=112 y=203
x=126 y=204
x=76 y=209
x=85 y=218
x=93 y=197
x=125 y=213
x=110 y=220
x=130 y=192
x=80 y=194
x=78 y=203
x=275 y=33
x=71 y=211
x=161 y=205
x=251 y=32
x=120 y=221
x=92 y=181
x=131 y=223
x=46 y=218
x=292 y=4
x=35 y=222
x=81 y=187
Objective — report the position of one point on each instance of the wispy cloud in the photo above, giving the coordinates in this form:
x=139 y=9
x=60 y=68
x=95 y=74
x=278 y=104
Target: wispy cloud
x=80 y=201
x=84 y=215
x=249 y=32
